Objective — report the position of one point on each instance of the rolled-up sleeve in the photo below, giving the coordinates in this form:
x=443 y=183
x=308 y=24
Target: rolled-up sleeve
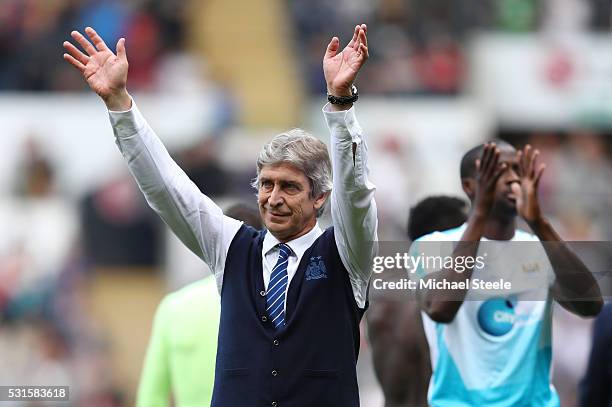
x=353 y=207
x=197 y=221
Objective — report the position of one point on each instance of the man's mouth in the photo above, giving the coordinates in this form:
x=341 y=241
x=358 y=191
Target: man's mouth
x=511 y=196
x=278 y=214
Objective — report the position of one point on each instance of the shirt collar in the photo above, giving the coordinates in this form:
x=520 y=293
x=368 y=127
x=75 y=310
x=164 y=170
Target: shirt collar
x=298 y=246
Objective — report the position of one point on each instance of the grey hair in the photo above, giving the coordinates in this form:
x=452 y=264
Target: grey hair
x=305 y=152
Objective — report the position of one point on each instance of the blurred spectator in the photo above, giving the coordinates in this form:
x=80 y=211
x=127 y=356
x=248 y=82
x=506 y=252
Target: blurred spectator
x=202 y=166
x=39 y=231
x=516 y=15
x=601 y=15
x=42 y=318
x=400 y=158
x=439 y=66
x=564 y=16
x=575 y=186
x=421 y=44
x=27 y=27
x=583 y=189
x=417 y=42
x=118 y=227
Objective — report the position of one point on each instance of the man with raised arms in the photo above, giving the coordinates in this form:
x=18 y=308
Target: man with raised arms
x=490 y=347
x=292 y=295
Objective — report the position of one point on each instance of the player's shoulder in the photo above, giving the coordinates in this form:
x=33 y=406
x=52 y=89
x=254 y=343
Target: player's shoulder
x=443 y=236
x=198 y=291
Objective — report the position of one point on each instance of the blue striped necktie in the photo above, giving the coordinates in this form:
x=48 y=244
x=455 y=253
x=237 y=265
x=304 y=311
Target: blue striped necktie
x=275 y=296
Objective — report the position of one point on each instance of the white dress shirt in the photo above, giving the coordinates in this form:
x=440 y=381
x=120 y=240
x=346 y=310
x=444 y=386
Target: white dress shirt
x=205 y=230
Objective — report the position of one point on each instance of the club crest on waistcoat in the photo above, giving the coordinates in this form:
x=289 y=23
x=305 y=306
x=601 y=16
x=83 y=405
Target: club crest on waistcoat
x=316 y=269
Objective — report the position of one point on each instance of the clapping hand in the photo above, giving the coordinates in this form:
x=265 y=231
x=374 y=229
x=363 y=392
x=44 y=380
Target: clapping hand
x=527 y=202
x=341 y=68
x=488 y=171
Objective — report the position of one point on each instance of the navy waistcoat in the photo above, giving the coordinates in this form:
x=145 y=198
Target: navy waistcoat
x=308 y=363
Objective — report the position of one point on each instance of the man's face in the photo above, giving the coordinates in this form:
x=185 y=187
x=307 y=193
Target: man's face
x=505 y=199
x=286 y=207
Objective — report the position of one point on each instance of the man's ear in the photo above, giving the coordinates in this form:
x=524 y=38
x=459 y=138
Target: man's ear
x=320 y=200
x=469 y=187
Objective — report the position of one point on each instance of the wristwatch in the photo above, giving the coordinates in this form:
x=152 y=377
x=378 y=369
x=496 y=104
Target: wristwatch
x=344 y=100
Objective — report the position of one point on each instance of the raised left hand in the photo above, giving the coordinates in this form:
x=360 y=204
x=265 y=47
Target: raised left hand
x=527 y=202
x=341 y=68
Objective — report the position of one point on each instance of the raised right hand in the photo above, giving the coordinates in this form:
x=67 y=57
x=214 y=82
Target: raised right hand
x=488 y=172
x=105 y=72
x=340 y=68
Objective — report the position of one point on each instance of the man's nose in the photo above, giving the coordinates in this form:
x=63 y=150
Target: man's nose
x=276 y=197
x=512 y=176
